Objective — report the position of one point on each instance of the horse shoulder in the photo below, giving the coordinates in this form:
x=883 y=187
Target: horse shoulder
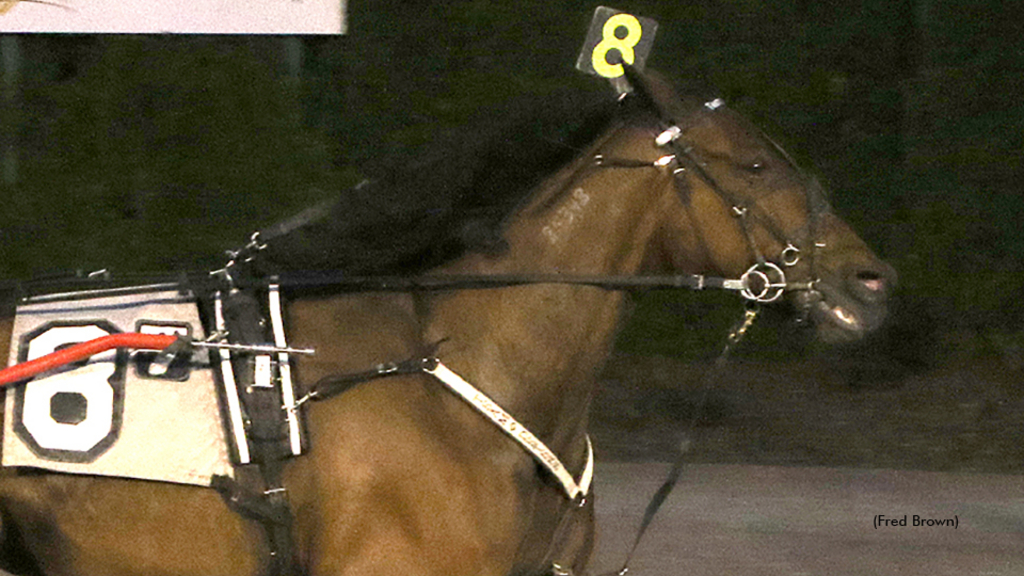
x=396 y=491
x=390 y=485
x=352 y=333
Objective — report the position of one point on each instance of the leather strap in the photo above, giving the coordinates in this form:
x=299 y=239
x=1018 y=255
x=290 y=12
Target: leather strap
x=334 y=385
x=517 y=431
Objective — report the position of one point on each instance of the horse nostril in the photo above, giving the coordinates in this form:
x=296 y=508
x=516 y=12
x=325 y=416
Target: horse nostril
x=870 y=284
x=871 y=280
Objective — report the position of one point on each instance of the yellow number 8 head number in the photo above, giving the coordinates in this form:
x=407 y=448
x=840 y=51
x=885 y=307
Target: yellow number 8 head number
x=616 y=37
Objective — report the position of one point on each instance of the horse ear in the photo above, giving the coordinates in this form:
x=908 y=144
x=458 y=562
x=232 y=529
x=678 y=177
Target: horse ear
x=653 y=91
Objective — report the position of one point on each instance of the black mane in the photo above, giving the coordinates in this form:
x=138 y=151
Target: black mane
x=418 y=211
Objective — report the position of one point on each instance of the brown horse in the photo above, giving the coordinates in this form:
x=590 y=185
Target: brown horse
x=405 y=478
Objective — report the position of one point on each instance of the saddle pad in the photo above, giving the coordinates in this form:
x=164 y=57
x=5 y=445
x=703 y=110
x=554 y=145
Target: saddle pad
x=115 y=414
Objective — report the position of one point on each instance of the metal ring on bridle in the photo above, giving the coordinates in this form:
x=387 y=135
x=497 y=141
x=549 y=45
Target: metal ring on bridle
x=790 y=255
x=771 y=281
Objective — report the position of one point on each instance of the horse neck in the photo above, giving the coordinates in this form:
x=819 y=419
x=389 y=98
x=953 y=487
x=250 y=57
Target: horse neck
x=536 y=349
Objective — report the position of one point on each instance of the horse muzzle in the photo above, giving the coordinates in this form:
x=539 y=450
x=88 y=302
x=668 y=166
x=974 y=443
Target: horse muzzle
x=847 y=306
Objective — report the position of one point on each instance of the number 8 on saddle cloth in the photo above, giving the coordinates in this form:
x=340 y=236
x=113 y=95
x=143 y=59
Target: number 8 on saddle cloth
x=126 y=413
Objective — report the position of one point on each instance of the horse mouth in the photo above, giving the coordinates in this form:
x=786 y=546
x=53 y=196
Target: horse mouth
x=846 y=311
x=844 y=318
x=839 y=323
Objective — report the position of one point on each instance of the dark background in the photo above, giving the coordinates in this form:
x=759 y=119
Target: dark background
x=150 y=153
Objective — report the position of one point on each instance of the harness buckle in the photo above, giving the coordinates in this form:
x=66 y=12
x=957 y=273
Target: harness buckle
x=714 y=104
x=669 y=135
x=386 y=368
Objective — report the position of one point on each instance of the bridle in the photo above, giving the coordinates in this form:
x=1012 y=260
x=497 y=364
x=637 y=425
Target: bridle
x=765 y=281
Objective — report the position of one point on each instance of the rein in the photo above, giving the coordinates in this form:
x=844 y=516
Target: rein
x=761 y=283
x=758 y=283
x=736 y=335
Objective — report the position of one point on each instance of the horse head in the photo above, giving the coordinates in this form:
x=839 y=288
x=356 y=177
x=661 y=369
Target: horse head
x=742 y=207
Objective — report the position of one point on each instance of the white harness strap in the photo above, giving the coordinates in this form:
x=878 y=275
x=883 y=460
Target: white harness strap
x=518 y=432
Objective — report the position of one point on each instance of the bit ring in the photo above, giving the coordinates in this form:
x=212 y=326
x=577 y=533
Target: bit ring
x=790 y=255
x=763 y=282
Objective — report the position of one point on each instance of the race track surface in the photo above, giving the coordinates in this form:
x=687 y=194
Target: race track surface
x=740 y=520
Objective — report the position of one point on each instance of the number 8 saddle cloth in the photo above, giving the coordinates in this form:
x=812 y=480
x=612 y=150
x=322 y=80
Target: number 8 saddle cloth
x=119 y=413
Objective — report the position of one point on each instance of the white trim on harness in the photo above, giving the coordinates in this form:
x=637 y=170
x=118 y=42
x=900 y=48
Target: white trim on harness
x=230 y=387
x=518 y=432
x=284 y=368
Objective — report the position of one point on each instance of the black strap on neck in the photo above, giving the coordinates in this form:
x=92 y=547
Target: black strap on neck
x=335 y=384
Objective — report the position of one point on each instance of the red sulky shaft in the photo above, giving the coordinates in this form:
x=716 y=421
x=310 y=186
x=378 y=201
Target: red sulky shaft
x=71 y=354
